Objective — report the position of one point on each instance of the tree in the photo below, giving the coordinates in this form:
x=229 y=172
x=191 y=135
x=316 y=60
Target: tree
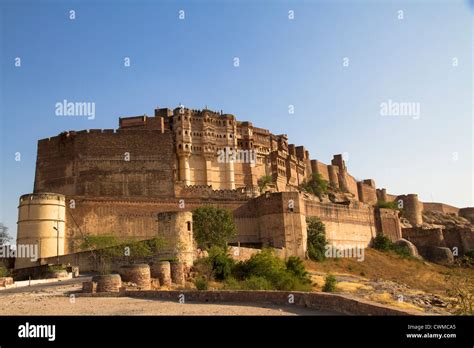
x=213 y=226
x=263 y=182
x=105 y=248
x=102 y=249
x=316 y=185
x=316 y=243
x=4 y=236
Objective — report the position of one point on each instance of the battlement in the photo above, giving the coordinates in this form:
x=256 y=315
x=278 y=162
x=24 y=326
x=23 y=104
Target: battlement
x=42 y=196
x=207 y=192
x=187 y=142
x=122 y=179
x=71 y=134
x=204 y=113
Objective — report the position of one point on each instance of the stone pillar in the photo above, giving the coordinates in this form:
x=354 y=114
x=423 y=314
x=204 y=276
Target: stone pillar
x=177 y=273
x=108 y=282
x=208 y=163
x=184 y=170
x=138 y=274
x=162 y=271
x=230 y=175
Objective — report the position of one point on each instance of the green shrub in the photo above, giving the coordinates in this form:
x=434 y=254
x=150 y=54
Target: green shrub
x=382 y=242
x=203 y=268
x=221 y=263
x=278 y=274
x=213 y=226
x=385 y=244
x=388 y=205
x=240 y=270
x=4 y=272
x=263 y=182
x=316 y=185
x=201 y=283
x=262 y=271
x=316 y=242
x=232 y=284
x=288 y=282
x=295 y=266
x=401 y=250
x=265 y=264
x=330 y=283
x=156 y=244
x=56 y=268
x=469 y=253
x=257 y=283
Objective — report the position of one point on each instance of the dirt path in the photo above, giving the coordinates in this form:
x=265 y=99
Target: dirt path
x=53 y=299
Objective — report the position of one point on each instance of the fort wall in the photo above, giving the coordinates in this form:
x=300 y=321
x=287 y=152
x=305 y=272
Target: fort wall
x=124 y=163
x=388 y=223
x=440 y=207
x=122 y=181
x=344 y=225
x=320 y=168
x=125 y=218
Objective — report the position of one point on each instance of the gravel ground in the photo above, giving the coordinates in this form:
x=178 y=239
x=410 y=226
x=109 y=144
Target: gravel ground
x=53 y=299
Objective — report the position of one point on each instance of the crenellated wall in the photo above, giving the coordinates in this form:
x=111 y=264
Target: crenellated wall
x=120 y=181
x=367 y=191
x=124 y=163
x=440 y=207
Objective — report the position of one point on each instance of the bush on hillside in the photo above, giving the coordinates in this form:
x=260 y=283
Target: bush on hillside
x=330 y=283
x=383 y=243
x=221 y=263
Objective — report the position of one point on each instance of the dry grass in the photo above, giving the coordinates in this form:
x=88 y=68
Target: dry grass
x=415 y=273
x=386 y=298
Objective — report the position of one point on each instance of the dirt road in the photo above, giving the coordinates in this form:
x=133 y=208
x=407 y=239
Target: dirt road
x=55 y=299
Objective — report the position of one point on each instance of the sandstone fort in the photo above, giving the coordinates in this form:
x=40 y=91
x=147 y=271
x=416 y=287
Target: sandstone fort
x=145 y=178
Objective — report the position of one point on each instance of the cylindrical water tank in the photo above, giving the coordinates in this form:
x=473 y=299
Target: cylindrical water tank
x=41 y=226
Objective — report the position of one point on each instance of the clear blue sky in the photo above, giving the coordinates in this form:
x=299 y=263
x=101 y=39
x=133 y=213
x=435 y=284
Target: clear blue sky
x=282 y=62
